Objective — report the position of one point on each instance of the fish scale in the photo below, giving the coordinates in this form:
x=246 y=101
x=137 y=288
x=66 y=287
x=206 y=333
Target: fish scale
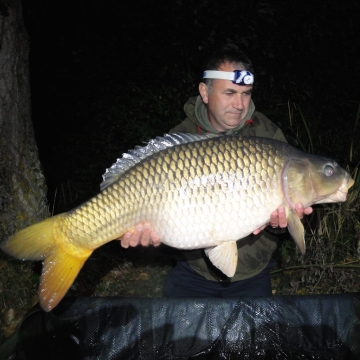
x=197 y=191
x=146 y=192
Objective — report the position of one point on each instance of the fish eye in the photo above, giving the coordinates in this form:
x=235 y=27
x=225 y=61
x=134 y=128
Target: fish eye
x=328 y=170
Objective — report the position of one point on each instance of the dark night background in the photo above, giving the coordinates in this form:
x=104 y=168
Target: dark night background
x=108 y=75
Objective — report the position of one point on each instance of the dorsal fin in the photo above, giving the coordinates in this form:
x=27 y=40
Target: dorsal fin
x=132 y=157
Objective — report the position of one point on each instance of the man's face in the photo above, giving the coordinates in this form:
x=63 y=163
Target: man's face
x=228 y=103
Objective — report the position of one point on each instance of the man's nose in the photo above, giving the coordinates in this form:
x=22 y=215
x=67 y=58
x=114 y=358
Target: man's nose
x=238 y=102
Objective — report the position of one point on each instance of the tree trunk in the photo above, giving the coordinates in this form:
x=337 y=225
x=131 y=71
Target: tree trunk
x=22 y=184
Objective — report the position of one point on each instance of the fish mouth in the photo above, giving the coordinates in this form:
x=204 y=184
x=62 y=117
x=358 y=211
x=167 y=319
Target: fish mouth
x=338 y=196
x=341 y=194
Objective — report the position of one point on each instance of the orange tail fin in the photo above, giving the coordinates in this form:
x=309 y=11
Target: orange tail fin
x=60 y=265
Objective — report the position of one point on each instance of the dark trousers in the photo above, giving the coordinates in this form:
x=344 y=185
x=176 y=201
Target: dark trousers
x=184 y=282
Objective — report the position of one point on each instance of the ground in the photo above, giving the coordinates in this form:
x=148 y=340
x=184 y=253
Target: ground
x=141 y=272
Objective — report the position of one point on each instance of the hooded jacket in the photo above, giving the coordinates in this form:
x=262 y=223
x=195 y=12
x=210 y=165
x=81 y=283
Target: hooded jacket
x=254 y=251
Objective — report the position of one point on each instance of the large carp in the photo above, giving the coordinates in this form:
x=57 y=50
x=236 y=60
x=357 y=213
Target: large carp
x=197 y=191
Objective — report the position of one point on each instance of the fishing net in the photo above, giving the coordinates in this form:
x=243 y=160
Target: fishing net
x=280 y=327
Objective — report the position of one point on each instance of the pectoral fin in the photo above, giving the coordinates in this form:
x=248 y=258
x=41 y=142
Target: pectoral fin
x=224 y=257
x=296 y=230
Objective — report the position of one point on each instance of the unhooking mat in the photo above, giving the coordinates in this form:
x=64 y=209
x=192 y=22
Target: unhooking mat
x=280 y=327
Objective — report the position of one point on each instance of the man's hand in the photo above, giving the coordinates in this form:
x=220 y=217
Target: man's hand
x=278 y=217
x=142 y=234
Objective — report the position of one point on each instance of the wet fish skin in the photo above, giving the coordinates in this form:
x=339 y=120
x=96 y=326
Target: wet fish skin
x=196 y=191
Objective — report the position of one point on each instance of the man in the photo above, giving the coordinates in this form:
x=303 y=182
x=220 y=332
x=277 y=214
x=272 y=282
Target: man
x=224 y=106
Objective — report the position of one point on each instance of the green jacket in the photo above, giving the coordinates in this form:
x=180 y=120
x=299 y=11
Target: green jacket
x=254 y=252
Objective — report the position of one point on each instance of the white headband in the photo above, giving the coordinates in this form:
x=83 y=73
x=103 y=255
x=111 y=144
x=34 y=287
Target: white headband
x=239 y=77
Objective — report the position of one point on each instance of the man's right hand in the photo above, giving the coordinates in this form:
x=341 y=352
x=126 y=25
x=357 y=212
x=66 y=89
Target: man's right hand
x=142 y=234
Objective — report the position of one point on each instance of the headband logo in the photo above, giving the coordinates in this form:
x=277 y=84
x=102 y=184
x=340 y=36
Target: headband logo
x=243 y=77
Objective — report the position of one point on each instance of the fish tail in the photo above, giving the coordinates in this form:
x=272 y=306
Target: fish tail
x=61 y=265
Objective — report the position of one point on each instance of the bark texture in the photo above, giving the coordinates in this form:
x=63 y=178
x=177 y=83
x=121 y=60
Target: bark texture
x=22 y=184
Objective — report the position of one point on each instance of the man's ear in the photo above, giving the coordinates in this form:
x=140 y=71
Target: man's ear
x=204 y=92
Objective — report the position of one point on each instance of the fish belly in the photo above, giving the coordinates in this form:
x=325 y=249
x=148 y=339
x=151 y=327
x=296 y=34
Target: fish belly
x=223 y=217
